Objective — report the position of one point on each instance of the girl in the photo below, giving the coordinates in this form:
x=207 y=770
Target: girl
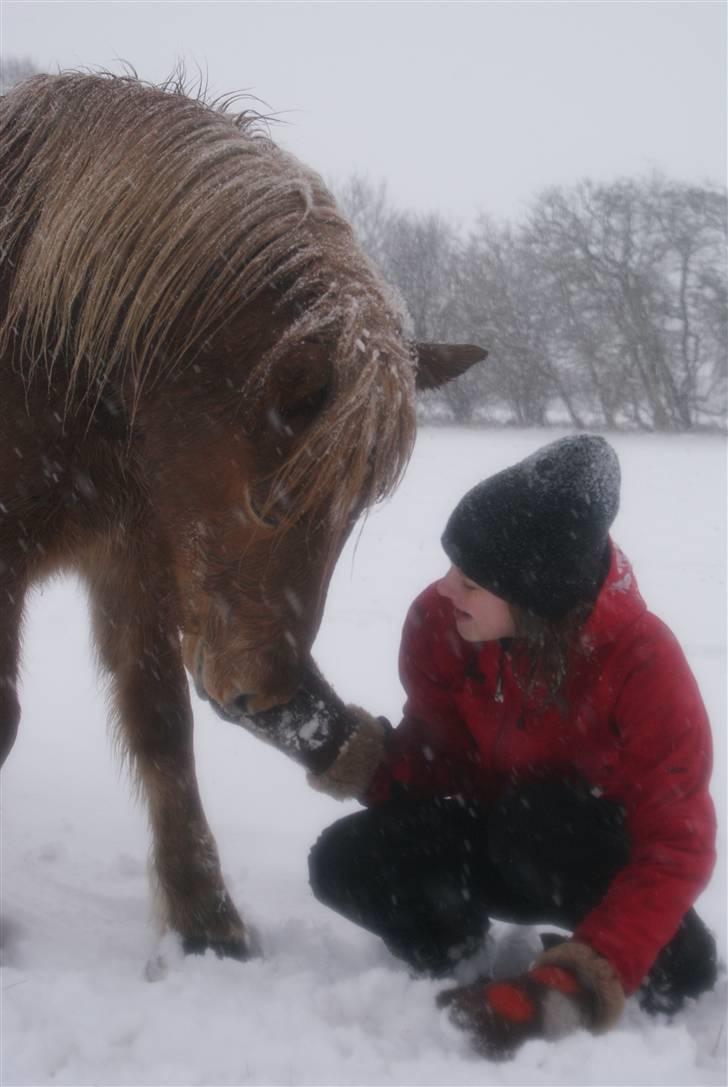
x=552 y=765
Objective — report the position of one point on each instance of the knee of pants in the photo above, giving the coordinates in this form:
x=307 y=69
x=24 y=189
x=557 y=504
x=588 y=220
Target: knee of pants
x=9 y=721
x=333 y=864
x=320 y=866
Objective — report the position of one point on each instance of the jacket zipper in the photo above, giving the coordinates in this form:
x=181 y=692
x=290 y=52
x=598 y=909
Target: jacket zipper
x=499 y=697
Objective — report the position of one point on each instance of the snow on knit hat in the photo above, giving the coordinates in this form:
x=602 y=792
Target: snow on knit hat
x=536 y=534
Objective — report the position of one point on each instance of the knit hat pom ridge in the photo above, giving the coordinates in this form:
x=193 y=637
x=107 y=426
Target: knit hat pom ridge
x=537 y=533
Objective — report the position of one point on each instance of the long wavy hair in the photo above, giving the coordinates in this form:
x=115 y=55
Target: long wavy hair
x=544 y=650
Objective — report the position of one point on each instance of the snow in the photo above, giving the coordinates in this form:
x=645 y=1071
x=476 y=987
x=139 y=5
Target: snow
x=325 y=1004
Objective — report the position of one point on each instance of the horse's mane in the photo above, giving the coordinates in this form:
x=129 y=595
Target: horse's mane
x=129 y=211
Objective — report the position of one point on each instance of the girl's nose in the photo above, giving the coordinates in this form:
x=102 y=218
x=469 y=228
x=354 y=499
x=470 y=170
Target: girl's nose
x=444 y=585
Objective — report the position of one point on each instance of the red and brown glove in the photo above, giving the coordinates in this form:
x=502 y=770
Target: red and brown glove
x=569 y=988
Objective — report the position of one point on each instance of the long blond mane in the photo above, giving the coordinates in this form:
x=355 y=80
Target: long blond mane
x=127 y=211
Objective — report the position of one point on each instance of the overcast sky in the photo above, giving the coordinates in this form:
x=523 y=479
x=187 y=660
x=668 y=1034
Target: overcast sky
x=461 y=107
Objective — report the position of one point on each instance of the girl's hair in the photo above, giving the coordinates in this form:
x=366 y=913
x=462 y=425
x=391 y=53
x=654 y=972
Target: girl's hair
x=545 y=649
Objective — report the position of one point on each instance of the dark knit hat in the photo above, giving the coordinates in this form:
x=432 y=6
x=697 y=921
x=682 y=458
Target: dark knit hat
x=536 y=534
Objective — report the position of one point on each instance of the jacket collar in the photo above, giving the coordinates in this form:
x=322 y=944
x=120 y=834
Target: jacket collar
x=619 y=602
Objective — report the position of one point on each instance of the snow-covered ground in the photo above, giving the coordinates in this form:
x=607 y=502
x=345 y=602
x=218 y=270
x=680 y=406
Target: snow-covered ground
x=325 y=1004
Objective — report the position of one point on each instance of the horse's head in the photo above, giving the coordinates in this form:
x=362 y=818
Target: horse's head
x=208 y=280
x=259 y=491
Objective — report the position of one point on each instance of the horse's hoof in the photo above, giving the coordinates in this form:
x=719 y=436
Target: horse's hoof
x=224 y=949
x=173 y=947
x=241 y=945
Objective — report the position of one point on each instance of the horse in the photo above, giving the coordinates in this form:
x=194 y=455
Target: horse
x=203 y=384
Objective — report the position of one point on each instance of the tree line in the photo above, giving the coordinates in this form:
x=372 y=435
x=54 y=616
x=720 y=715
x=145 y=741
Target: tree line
x=605 y=306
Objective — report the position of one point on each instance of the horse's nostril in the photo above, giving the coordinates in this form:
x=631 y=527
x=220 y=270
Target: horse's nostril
x=238 y=707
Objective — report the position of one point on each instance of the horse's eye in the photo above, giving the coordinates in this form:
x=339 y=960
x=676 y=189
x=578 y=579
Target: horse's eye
x=265 y=512
x=306 y=406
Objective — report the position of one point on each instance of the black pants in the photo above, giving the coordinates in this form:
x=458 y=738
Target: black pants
x=427 y=876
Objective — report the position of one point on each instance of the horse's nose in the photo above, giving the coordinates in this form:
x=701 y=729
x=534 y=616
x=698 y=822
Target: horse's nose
x=233 y=710
x=239 y=706
x=251 y=705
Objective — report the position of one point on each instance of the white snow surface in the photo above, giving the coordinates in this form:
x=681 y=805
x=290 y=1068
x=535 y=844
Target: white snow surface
x=325 y=1004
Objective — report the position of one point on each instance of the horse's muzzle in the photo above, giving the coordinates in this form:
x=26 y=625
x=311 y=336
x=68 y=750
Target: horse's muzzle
x=239 y=705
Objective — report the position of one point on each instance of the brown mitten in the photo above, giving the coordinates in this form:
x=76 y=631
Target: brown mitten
x=569 y=988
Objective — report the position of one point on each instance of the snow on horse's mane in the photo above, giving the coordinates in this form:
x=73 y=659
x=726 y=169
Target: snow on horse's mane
x=132 y=211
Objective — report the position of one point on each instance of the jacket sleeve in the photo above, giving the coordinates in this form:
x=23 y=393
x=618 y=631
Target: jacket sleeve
x=664 y=769
x=431 y=752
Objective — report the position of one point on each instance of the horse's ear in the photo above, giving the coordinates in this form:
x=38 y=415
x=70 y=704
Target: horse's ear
x=438 y=363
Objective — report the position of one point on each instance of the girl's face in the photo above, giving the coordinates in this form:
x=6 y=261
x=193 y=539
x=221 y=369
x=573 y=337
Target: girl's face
x=480 y=616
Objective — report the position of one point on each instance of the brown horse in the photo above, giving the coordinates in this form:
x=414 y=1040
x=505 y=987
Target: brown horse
x=203 y=382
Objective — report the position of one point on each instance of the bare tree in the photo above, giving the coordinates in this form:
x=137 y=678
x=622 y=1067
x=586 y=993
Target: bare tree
x=610 y=300
x=626 y=266
x=504 y=307
x=14 y=70
x=367 y=208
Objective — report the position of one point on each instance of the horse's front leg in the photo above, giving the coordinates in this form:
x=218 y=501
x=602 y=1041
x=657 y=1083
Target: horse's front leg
x=137 y=639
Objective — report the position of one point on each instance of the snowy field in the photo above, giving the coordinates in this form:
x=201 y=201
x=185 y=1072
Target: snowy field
x=325 y=1004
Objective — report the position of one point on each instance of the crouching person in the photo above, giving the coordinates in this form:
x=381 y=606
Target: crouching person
x=552 y=766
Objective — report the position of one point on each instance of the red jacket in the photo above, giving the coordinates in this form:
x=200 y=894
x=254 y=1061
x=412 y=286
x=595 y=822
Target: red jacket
x=635 y=728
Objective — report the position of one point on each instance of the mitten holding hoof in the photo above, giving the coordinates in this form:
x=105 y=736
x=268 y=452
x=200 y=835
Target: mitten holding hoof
x=340 y=746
